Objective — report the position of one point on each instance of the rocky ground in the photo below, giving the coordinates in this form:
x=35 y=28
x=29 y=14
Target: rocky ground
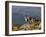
x=33 y=26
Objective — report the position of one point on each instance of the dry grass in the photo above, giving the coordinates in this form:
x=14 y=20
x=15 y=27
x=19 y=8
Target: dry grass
x=33 y=26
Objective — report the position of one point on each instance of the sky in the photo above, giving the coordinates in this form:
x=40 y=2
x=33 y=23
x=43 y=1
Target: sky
x=21 y=11
x=25 y=10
